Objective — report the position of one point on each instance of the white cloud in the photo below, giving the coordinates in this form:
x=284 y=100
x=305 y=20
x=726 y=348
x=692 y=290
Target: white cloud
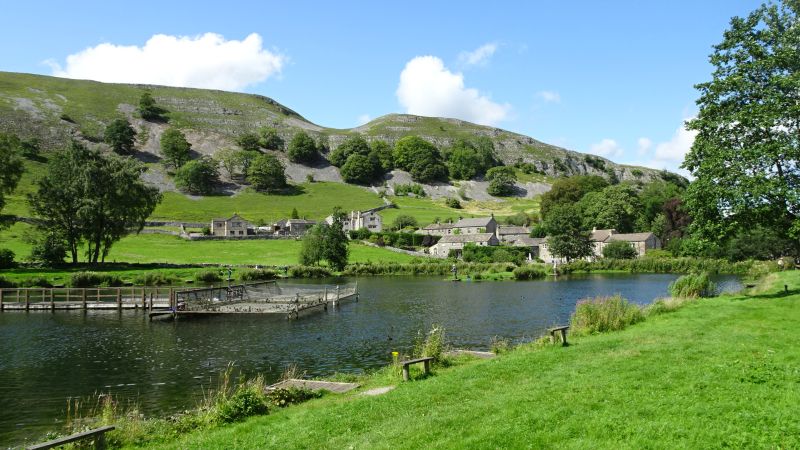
x=428 y=88
x=607 y=148
x=675 y=149
x=549 y=96
x=478 y=57
x=362 y=119
x=205 y=61
x=644 y=145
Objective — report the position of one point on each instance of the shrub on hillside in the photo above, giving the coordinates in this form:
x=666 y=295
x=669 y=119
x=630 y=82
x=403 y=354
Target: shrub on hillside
x=453 y=203
x=93 y=279
x=693 y=285
x=603 y=314
x=401 y=190
x=197 y=176
x=619 y=250
x=6 y=258
x=302 y=148
x=529 y=273
x=36 y=282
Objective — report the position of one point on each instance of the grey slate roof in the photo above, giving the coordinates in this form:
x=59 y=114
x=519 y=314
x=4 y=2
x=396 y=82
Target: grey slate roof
x=526 y=241
x=630 y=237
x=473 y=222
x=462 y=238
x=506 y=230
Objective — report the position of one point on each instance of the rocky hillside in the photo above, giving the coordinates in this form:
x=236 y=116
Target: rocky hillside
x=55 y=110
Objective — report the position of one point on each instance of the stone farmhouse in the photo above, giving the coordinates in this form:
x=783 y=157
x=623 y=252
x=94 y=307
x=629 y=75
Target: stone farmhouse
x=508 y=233
x=234 y=226
x=356 y=220
x=474 y=225
x=641 y=242
x=292 y=227
x=458 y=241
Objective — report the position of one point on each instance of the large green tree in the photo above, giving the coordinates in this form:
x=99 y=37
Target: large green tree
x=352 y=145
x=616 y=207
x=11 y=166
x=745 y=156
x=501 y=181
x=148 y=109
x=570 y=190
x=302 y=148
x=326 y=242
x=92 y=199
x=120 y=135
x=175 y=149
x=360 y=169
x=566 y=235
x=266 y=173
x=270 y=139
x=420 y=158
x=198 y=176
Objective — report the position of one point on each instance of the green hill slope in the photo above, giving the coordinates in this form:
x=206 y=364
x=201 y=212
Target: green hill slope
x=55 y=109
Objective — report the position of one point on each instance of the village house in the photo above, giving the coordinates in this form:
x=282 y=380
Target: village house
x=458 y=241
x=510 y=233
x=234 y=226
x=641 y=242
x=473 y=225
x=292 y=227
x=531 y=244
x=357 y=220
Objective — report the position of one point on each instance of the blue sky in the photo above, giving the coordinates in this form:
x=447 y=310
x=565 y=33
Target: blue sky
x=613 y=78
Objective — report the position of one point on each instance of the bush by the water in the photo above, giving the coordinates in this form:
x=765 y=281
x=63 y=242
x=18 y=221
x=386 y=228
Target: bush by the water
x=619 y=250
x=153 y=279
x=5 y=283
x=672 y=265
x=282 y=398
x=603 y=314
x=93 y=279
x=6 y=258
x=693 y=285
x=431 y=344
x=257 y=275
x=208 y=276
x=529 y=273
x=36 y=282
x=425 y=268
x=247 y=400
x=309 y=272
x=489 y=254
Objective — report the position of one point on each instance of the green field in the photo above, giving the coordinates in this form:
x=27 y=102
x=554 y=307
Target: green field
x=157 y=248
x=718 y=372
x=313 y=201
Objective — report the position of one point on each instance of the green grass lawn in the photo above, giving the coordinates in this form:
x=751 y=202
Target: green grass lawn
x=158 y=248
x=720 y=372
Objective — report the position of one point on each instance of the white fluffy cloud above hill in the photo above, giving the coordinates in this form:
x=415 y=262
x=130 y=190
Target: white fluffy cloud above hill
x=206 y=61
x=428 y=88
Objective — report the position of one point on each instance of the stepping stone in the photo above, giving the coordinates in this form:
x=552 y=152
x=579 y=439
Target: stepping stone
x=378 y=391
x=475 y=353
x=314 y=385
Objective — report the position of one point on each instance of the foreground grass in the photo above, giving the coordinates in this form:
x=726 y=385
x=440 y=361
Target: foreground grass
x=718 y=372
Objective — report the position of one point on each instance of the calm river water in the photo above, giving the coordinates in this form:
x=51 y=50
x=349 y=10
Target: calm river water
x=46 y=358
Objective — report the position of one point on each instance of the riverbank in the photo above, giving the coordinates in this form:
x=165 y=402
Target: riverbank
x=166 y=274
x=716 y=372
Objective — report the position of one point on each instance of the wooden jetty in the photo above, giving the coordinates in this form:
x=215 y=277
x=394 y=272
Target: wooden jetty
x=314 y=385
x=268 y=297
x=28 y=299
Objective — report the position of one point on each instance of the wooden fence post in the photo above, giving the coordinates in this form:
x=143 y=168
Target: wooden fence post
x=144 y=299
x=27 y=299
x=2 y=294
x=151 y=300
x=119 y=298
x=52 y=300
x=83 y=297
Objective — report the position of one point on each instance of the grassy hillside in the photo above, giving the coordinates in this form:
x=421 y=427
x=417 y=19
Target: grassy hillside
x=717 y=373
x=54 y=109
